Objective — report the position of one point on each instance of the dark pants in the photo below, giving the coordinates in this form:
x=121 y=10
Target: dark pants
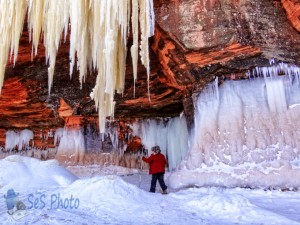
x=160 y=178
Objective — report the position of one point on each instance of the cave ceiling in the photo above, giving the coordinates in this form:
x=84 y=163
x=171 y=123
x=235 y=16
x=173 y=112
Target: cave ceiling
x=194 y=42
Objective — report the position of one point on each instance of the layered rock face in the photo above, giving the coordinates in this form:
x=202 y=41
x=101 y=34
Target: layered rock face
x=194 y=42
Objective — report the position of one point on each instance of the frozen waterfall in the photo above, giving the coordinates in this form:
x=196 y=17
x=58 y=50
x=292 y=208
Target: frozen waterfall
x=171 y=135
x=246 y=132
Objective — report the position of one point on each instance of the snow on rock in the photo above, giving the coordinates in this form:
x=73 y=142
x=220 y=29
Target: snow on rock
x=24 y=172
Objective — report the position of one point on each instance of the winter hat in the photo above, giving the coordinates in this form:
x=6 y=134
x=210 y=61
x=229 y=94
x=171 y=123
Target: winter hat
x=156 y=149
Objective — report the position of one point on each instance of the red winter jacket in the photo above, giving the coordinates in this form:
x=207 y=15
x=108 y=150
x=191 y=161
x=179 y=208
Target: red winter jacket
x=157 y=163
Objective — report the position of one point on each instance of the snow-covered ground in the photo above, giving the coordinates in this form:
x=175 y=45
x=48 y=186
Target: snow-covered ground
x=116 y=195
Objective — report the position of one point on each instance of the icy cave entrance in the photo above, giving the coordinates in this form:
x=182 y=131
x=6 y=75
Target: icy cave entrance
x=245 y=134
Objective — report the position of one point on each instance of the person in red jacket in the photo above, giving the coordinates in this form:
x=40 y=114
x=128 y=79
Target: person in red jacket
x=157 y=162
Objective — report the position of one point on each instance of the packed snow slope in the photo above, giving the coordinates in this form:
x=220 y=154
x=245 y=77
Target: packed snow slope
x=53 y=195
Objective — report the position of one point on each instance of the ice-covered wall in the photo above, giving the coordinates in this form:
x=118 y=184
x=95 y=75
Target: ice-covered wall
x=247 y=133
x=170 y=135
x=18 y=139
x=87 y=146
x=71 y=146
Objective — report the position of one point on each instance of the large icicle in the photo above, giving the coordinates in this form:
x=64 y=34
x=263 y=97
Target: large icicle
x=52 y=18
x=35 y=22
x=146 y=32
x=135 y=46
x=17 y=26
x=12 y=15
x=55 y=21
x=79 y=38
x=110 y=52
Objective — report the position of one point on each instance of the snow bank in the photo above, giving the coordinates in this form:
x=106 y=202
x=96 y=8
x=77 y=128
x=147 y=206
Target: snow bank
x=110 y=197
x=229 y=207
x=108 y=188
x=24 y=172
x=110 y=200
x=276 y=174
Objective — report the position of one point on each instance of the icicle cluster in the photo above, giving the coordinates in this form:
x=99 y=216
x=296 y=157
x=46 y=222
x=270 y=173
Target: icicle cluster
x=248 y=121
x=85 y=146
x=246 y=132
x=18 y=139
x=99 y=30
x=12 y=15
x=171 y=136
